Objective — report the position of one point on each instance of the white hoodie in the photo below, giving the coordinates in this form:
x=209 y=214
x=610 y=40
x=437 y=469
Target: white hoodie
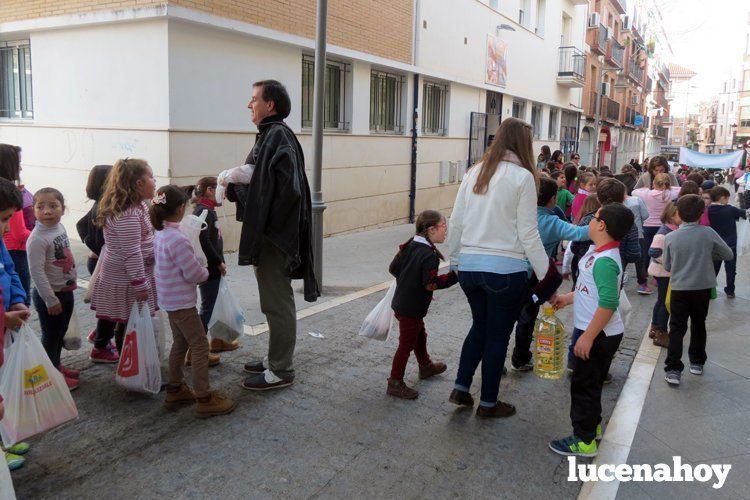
x=501 y=222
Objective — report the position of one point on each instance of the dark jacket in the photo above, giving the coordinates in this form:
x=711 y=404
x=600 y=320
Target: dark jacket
x=92 y=236
x=723 y=220
x=630 y=246
x=628 y=180
x=210 y=238
x=415 y=268
x=277 y=205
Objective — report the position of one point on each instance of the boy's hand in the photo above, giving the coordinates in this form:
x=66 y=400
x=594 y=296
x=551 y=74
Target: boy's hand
x=19 y=307
x=14 y=319
x=582 y=348
x=560 y=301
x=566 y=276
x=55 y=310
x=223 y=269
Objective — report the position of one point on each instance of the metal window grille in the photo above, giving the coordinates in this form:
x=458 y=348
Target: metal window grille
x=434 y=108
x=15 y=80
x=334 y=109
x=519 y=110
x=536 y=120
x=386 y=102
x=552 y=124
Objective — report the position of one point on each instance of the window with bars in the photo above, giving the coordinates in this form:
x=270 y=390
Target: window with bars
x=536 y=120
x=434 y=108
x=519 y=109
x=15 y=80
x=386 y=102
x=334 y=109
x=552 y=123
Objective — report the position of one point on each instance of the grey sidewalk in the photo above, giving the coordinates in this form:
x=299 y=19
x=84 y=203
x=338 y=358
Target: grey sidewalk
x=706 y=419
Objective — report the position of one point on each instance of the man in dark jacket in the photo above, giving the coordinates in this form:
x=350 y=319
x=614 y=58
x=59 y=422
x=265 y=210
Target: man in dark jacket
x=276 y=213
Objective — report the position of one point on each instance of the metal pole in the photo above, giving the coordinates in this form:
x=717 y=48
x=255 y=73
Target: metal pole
x=318 y=206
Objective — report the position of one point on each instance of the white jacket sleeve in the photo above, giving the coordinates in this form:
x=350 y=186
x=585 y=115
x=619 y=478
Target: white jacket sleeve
x=528 y=232
x=455 y=228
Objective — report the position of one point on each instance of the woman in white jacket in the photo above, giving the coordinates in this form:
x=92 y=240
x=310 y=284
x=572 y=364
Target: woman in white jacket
x=493 y=238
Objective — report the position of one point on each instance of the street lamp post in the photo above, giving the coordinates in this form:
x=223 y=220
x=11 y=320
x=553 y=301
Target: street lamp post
x=318 y=206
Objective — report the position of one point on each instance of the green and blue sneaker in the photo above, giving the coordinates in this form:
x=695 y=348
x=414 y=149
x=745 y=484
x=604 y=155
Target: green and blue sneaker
x=573 y=446
x=18 y=448
x=599 y=432
x=14 y=462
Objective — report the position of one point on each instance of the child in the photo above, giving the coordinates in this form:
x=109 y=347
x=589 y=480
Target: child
x=655 y=200
x=689 y=253
x=177 y=273
x=564 y=197
x=723 y=219
x=415 y=267
x=93 y=236
x=598 y=326
x=17 y=234
x=126 y=273
x=660 y=317
x=213 y=246
x=53 y=270
x=552 y=230
x=640 y=212
x=586 y=183
x=570 y=260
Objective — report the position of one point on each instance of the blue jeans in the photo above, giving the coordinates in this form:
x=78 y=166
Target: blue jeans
x=648 y=234
x=730 y=268
x=660 y=316
x=495 y=301
x=21 y=263
x=209 y=292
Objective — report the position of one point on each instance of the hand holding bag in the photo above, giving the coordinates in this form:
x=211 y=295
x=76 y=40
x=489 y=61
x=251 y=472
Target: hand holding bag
x=378 y=322
x=139 y=369
x=227 y=321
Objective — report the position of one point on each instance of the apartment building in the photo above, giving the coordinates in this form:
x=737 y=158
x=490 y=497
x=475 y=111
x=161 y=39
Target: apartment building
x=743 y=128
x=727 y=113
x=91 y=81
x=614 y=98
x=707 y=126
x=683 y=105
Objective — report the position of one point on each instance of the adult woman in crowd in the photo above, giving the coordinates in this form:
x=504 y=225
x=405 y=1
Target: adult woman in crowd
x=558 y=158
x=543 y=158
x=657 y=165
x=493 y=231
x=575 y=159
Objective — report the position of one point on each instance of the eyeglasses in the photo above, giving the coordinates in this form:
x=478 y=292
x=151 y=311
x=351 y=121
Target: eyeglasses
x=576 y=158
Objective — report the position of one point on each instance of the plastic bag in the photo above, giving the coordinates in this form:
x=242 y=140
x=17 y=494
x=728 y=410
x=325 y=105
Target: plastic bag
x=94 y=275
x=36 y=396
x=139 y=369
x=160 y=331
x=237 y=175
x=6 y=483
x=743 y=238
x=72 y=339
x=378 y=323
x=192 y=225
x=624 y=308
x=227 y=321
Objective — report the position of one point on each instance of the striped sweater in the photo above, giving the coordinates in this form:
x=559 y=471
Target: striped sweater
x=177 y=269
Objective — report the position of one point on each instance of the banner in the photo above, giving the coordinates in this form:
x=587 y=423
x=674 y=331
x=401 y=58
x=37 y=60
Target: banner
x=703 y=160
x=497 y=62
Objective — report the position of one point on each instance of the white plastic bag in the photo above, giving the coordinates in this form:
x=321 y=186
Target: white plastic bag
x=6 y=483
x=378 y=323
x=743 y=238
x=624 y=308
x=160 y=331
x=227 y=320
x=36 y=396
x=72 y=339
x=237 y=175
x=192 y=225
x=139 y=369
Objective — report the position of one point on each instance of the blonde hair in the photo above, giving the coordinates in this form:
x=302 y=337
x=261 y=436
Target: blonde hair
x=661 y=183
x=121 y=190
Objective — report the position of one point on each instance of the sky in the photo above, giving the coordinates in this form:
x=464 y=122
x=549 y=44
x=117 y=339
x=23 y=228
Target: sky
x=707 y=36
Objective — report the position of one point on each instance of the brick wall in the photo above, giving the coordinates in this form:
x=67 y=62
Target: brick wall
x=379 y=27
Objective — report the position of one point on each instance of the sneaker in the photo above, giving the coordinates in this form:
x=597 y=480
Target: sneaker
x=71 y=383
x=644 y=290
x=18 y=448
x=696 y=369
x=662 y=338
x=523 y=368
x=461 y=398
x=673 y=377
x=432 y=369
x=178 y=396
x=213 y=405
x=254 y=367
x=500 y=410
x=599 y=432
x=104 y=355
x=14 y=461
x=265 y=381
x=573 y=446
x=213 y=359
x=68 y=372
x=607 y=379
x=730 y=295
x=218 y=345
x=399 y=389
x=91 y=337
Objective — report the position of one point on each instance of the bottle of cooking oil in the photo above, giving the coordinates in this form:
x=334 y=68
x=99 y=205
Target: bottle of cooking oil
x=549 y=345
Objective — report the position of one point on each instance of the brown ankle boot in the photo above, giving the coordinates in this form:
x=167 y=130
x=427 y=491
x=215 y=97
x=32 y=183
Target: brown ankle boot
x=399 y=389
x=652 y=332
x=213 y=359
x=178 y=396
x=432 y=369
x=662 y=338
x=214 y=404
x=218 y=345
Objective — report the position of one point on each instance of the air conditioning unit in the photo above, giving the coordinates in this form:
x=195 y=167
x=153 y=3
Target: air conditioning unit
x=635 y=99
x=594 y=20
x=626 y=22
x=606 y=88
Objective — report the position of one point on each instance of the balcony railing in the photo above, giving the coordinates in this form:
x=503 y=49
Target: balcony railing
x=630 y=118
x=610 y=110
x=615 y=53
x=572 y=67
x=635 y=72
x=660 y=132
x=596 y=37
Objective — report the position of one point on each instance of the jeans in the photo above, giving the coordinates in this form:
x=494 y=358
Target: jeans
x=648 y=236
x=54 y=326
x=641 y=267
x=730 y=268
x=571 y=355
x=495 y=301
x=412 y=337
x=660 y=316
x=209 y=291
x=21 y=263
x=691 y=304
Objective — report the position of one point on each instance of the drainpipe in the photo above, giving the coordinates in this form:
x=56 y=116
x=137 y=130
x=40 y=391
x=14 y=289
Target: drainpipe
x=414 y=116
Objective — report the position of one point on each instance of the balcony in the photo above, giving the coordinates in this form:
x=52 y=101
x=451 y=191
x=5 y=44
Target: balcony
x=635 y=73
x=610 y=110
x=572 y=67
x=615 y=53
x=597 y=39
x=660 y=132
x=630 y=119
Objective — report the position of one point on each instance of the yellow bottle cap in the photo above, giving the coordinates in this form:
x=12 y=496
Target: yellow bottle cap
x=549 y=311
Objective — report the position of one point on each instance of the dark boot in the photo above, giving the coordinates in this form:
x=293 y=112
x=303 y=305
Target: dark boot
x=662 y=338
x=432 y=369
x=500 y=410
x=461 y=398
x=399 y=389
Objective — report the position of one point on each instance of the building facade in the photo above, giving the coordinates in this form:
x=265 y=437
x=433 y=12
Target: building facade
x=743 y=128
x=707 y=126
x=89 y=82
x=727 y=113
x=683 y=105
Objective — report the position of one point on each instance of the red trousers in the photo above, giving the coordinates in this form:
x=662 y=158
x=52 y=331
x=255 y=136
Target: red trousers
x=411 y=337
